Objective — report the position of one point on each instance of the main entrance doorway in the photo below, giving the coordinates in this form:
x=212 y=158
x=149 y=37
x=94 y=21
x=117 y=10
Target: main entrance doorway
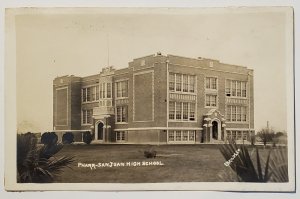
x=100 y=131
x=215 y=130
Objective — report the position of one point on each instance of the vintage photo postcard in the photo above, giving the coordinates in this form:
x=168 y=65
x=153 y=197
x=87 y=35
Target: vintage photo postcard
x=149 y=99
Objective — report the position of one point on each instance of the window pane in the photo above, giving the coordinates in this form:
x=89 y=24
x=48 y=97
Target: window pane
x=185 y=110
x=191 y=135
x=178 y=82
x=84 y=95
x=185 y=136
x=178 y=110
x=207 y=82
x=238 y=89
x=172 y=81
x=108 y=90
x=97 y=92
x=233 y=88
x=244 y=89
x=171 y=110
x=192 y=111
x=178 y=135
x=214 y=83
x=171 y=136
x=185 y=83
x=228 y=88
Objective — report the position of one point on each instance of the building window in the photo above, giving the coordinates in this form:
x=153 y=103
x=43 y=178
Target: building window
x=89 y=94
x=171 y=136
x=211 y=100
x=102 y=90
x=185 y=111
x=185 y=83
x=172 y=82
x=178 y=81
x=237 y=135
x=120 y=136
x=122 y=89
x=97 y=92
x=172 y=110
x=84 y=95
x=87 y=116
x=236 y=113
x=121 y=113
x=108 y=93
x=181 y=136
x=211 y=83
x=192 y=111
x=178 y=110
x=181 y=83
x=234 y=88
x=182 y=111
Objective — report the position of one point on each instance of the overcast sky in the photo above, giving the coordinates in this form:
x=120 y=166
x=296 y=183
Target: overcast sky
x=50 y=44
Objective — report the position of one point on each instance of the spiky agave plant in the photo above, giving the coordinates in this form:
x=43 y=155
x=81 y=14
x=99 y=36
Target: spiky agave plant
x=243 y=165
x=37 y=163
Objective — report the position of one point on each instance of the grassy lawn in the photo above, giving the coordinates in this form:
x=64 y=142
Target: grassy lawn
x=182 y=163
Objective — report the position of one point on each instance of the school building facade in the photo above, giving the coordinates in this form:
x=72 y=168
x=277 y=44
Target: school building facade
x=163 y=99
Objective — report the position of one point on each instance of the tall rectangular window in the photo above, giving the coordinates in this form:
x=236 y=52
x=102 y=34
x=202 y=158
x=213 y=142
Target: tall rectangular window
x=244 y=113
x=238 y=114
x=238 y=89
x=233 y=113
x=171 y=110
x=178 y=82
x=228 y=88
x=87 y=116
x=192 y=111
x=83 y=95
x=244 y=89
x=120 y=136
x=172 y=82
x=185 y=82
x=178 y=111
x=233 y=92
x=102 y=91
x=121 y=113
x=171 y=135
x=108 y=93
x=97 y=92
x=185 y=111
x=122 y=89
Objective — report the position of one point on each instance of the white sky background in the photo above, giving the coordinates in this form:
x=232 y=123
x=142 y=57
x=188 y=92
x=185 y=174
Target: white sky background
x=50 y=45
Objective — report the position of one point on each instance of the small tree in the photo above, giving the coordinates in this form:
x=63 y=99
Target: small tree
x=87 y=137
x=266 y=135
x=49 y=138
x=68 y=138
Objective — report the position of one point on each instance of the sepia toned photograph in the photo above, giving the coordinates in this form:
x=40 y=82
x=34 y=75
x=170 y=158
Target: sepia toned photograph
x=150 y=99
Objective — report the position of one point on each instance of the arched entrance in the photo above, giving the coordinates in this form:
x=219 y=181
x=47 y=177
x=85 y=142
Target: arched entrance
x=100 y=131
x=215 y=130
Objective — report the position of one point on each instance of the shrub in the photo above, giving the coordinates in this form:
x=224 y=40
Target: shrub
x=87 y=137
x=68 y=138
x=49 y=138
x=36 y=164
x=150 y=153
